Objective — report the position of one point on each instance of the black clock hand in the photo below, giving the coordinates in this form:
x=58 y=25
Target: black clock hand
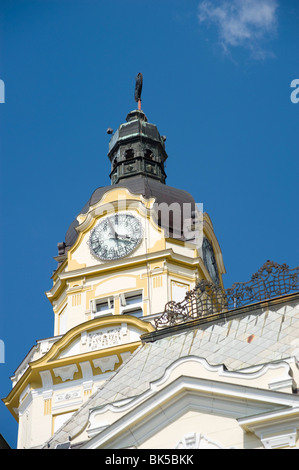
x=126 y=237
x=112 y=228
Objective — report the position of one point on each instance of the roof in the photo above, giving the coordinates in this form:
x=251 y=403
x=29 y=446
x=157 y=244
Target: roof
x=245 y=337
x=3 y=443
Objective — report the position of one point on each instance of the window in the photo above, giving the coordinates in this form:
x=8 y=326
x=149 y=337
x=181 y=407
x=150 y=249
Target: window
x=148 y=154
x=129 y=154
x=131 y=304
x=102 y=307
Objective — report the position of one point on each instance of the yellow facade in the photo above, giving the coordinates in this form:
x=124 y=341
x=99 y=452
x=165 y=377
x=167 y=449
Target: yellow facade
x=132 y=251
x=106 y=378
x=91 y=299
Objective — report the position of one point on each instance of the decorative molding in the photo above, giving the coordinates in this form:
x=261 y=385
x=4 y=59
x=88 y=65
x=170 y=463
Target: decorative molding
x=95 y=428
x=48 y=406
x=271 y=280
x=46 y=379
x=207 y=298
x=249 y=373
x=87 y=377
x=27 y=397
x=76 y=299
x=106 y=338
x=285 y=439
x=276 y=429
x=125 y=356
x=66 y=372
x=66 y=396
x=84 y=338
x=197 y=441
x=224 y=388
x=45 y=346
x=106 y=363
x=168 y=402
x=86 y=370
x=47 y=394
x=283 y=383
x=278 y=435
x=24 y=394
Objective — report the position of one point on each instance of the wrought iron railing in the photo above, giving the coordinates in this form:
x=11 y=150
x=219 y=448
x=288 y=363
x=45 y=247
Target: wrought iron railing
x=271 y=280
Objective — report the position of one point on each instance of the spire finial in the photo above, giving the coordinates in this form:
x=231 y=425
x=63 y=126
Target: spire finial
x=138 y=89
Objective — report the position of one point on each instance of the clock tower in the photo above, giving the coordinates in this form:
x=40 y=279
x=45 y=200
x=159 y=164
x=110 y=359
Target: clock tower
x=136 y=245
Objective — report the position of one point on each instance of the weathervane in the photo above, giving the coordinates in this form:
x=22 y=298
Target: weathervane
x=138 y=89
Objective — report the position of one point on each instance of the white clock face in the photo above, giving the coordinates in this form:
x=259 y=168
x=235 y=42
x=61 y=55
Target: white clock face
x=115 y=236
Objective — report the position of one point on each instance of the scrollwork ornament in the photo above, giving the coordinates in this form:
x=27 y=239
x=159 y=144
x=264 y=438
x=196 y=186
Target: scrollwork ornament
x=207 y=298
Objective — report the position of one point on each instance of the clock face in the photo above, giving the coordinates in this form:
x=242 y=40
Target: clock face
x=209 y=260
x=115 y=236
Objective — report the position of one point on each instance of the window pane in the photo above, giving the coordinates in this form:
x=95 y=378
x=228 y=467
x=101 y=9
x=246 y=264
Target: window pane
x=101 y=307
x=134 y=299
x=137 y=312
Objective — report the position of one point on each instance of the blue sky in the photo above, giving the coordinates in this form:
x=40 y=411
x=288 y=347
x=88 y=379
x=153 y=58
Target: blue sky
x=217 y=78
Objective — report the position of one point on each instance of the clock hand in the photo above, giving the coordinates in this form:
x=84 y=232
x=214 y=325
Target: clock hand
x=124 y=236
x=112 y=228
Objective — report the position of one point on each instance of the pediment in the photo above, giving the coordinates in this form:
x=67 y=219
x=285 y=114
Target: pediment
x=190 y=390
x=102 y=337
x=97 y=335
x=89 y=349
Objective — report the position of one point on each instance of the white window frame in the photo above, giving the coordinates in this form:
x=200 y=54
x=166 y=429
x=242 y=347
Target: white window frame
x=109 y=311
x=127 y=308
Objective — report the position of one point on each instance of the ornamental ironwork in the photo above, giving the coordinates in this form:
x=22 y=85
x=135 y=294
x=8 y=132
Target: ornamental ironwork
x=271 y=280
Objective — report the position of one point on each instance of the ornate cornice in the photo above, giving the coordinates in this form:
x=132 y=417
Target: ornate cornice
x=66 y=367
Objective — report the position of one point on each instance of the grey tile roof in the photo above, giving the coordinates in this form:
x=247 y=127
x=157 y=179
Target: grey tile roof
x=264 y=334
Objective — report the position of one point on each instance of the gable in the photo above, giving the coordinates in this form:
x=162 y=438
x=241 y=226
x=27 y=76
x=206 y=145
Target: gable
x=209 y=401
x=85 y=353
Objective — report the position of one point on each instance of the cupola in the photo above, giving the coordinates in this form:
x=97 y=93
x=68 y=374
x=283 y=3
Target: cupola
x=137 y=148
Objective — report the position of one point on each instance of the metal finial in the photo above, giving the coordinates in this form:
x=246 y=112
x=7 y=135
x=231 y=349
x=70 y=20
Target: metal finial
x=138 y=89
